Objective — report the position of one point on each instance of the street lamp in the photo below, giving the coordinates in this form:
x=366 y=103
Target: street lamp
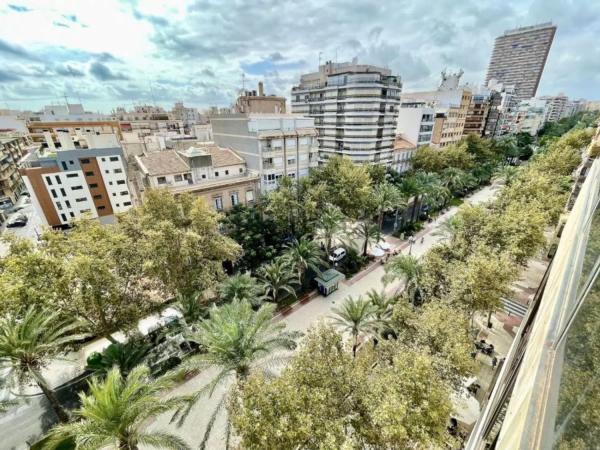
x=411 y=241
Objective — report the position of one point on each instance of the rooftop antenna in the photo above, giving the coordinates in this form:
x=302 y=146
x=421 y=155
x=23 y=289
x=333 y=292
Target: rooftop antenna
x=66 y=100
x=243 y=81
x=152 y=93
x=320 y=54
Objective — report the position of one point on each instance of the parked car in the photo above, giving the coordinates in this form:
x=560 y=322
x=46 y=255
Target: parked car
x=337 y=255
x=16 y=220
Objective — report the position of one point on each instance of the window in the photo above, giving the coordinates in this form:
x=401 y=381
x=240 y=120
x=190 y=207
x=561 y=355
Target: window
x=80 y=199
x=103 y=159
x=93 y=185
x=89 y=174
x=241 y=169
x=124 y=193
x=72 y=175
x=110 y=183
x=127 y=204
x=117 y=205
x=216 y=174
x=68 y=203
x=107 y=171
x=218 y=203
x=249 y=196
x=49 y=181
x=58 y=205
x=114 y=158
x=161 y=180
x=71 y=162
x=227 y=172
x=203 y=175
x=84 y=160
x=97 y=197
x=64 y=165
x=291 y=161
x=64 y=218
x=83 y=211
x=76 y=188
x=57 y=179
x=120 y=181
x=234 y=198
x=178 y=178
x=118 y=170
x=71 y=213
x=53 y=193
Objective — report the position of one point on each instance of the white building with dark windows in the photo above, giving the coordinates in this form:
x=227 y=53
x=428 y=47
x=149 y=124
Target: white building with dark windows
x=273 y=145
x=415 y=122
x=355 y=107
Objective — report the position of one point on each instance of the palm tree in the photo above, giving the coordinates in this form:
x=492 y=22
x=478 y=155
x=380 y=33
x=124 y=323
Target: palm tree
x=125 y=356
x=237 y=340
x=6 y=402
x=114 y=413
x=190 y=306
x=383 y=304
x=357 y=317
x=241 y=287
x=278 y=279
x=448 y=228
x=410 y=187
x=28 y=342
x=304 y=254
x=330 y=225
x=387 y=197
x=408 y=269
x=454 y=179
x=506 y=174
x=368 y=232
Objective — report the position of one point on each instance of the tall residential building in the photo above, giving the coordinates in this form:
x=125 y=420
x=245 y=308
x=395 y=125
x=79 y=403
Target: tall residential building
x=273 y=145
x=252 y=102
x=12 y=149
x=519 y=58
x=557 y=107
x=84 y=175
x=503 y=102
x=355 y=107
x=450 y=102
x=478 y=111
x=545 y=393
x=216 y=174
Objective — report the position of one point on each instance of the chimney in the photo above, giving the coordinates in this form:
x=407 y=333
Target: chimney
x=261 y=90
x=253 y=93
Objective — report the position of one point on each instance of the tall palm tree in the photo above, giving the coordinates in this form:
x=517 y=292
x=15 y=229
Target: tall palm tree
x=241 y=287
x=237 y=340
x=190 y=306
x=454 y=179
x=411 y=188
x=278 y=279
x=304 y=254
x=383 y=304
x=357 y=317
x=387 y=197
x=448 y=228
x=406 y=268
x=369 y=233
x=507 y=174
x=330 y=225
x=112 y=415
x=29 y=341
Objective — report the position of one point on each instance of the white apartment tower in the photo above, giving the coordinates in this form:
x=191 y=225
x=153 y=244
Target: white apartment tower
x=355 y=107
x=519 y=58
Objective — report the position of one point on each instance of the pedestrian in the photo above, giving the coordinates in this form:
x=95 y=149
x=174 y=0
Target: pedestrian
x=494 y=362
x=422 y=239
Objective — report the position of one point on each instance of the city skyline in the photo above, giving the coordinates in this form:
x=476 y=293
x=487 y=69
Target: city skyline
x=140 y=52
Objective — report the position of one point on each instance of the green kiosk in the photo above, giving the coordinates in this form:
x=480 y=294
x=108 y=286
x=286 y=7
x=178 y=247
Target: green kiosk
x=328 y=281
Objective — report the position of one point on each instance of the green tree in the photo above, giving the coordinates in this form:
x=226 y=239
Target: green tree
x=408 y=269
x=191 y=307
x=237 y=341
x=278 y=279
x=256 y=232
x=29 y=341
x=428 y=159
x=241 y=287
x=114 y=413
x=478 y=284
x=356 y=317
x=304 y=254
x=454 y=179
x=457 y=156
x=386 y=197
x=383 y=304
x=367 y=233
x=124 y=356
x=347 y=185
x=330 y=226
x=179 y=240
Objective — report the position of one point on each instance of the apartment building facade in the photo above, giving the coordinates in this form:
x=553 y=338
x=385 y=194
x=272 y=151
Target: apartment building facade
x=216 y=174
x=415 y=123
x=87 y=177
x=259 y=103
x=13 y=147
x=355 y=107
x=477 y=112
x=519 y=57
x=273 y=145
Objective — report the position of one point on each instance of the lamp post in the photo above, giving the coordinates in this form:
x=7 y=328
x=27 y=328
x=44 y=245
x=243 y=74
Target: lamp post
x=411 y=241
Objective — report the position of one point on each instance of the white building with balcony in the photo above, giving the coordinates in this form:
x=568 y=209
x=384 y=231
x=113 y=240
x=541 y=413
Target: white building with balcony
x=415 y=122
x=355 y=107
x=273 y=145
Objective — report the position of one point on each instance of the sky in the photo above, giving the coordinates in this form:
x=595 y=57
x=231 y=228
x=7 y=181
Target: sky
x=109 y=53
